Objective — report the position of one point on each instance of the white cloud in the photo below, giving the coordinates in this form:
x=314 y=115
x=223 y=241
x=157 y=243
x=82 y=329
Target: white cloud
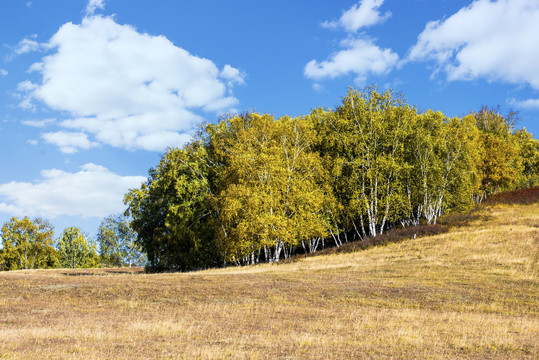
x=94 y=191
x=10 y=209
x=155 y=140
x=129 y=89
x=27 y=45
x=93 y=5
x=363 y=14
x=318 y=87
x=3 y=72
x=38 y=123
x=26 y=103
x=359 y=56
x=493 y=40
x=233 y=75
x=530 y=104
x=26 y=86
x=69 y=142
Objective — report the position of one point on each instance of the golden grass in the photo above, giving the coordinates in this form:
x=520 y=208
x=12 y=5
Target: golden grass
x=471 y=292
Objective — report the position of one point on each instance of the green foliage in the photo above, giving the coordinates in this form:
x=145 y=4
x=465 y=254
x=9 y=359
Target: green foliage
x=117 y=245
x=173 y=214
x=75 y=251
x=27 y=245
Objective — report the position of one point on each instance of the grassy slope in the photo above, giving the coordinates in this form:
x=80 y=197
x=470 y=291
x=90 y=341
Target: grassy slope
x=468 y=292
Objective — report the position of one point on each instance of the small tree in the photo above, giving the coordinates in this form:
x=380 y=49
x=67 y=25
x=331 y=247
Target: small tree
x=27 y=244
x=75 y=251
x=501 y=164
x=117 y=244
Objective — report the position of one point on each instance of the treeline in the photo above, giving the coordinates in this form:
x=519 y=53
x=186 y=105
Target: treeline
x=31 y=244
x=253 y=188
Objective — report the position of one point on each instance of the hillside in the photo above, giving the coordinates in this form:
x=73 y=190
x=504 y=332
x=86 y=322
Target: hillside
x=470 y=290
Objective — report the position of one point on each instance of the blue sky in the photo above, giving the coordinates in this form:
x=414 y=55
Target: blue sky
x=93 y=92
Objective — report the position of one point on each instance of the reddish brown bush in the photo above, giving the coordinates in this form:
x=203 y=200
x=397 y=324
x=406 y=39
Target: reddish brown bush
x=523 y=196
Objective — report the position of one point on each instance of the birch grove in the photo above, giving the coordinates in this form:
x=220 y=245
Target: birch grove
x=254 y=188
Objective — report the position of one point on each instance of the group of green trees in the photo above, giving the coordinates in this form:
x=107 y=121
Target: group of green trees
x=28 y=244
x=253 y=188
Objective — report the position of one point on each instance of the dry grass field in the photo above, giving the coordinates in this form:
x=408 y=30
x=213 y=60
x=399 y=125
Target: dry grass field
x=470 y=290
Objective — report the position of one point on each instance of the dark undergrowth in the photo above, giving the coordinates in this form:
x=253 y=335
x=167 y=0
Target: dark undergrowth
x=521 y=197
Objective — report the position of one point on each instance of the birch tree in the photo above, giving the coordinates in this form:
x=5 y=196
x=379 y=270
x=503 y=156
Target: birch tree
x=117 y=246
x=308 y=200
x=75 y=250
x=28 y=244
x=500 y=164
x=367 y=133
x=271 y=196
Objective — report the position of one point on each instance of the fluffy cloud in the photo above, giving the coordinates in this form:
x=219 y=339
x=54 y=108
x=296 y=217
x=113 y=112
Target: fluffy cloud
x=363 y=14
x=69 y=142
x=359 y=56
x=530 y=104
x=38 y=123
x=493 y=40
x=129 y=89
x=3 y=72
x=93 y=5
x=233 y=75
x=26 y=45
x=94 y=191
